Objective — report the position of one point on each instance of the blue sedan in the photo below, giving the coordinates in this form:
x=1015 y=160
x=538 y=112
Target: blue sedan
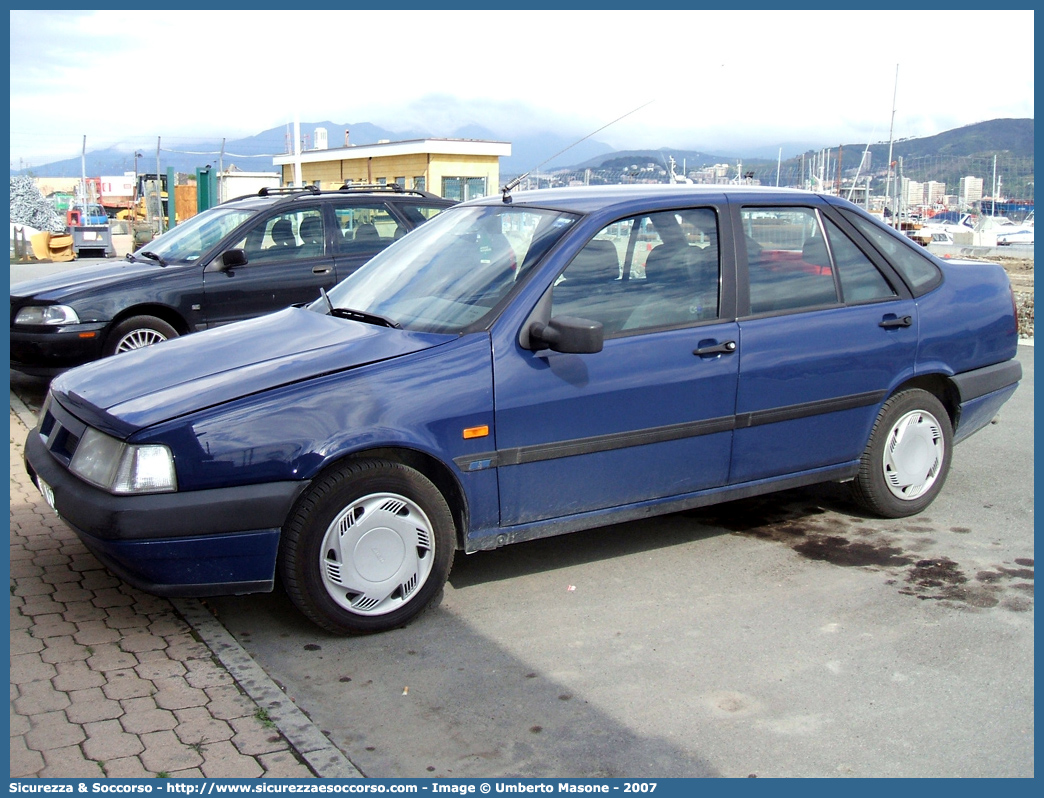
x=524 y=366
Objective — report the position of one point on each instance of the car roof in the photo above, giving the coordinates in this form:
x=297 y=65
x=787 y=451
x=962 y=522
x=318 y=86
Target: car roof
x=286 y=195
x=591 y=199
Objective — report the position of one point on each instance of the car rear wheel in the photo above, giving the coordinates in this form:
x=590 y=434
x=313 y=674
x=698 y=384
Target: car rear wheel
x=138 y=332
x=908 y=456
x=368 y=548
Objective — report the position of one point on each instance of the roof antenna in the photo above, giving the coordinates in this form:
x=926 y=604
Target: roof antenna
x=511 y=186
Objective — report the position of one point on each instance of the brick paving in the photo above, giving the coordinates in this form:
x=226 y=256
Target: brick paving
x=107 y=681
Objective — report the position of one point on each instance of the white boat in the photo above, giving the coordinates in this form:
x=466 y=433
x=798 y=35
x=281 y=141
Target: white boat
x=941 y=232
x=1007 y=231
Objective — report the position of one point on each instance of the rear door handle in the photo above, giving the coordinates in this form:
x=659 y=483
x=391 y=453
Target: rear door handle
x=725 y=348
x=890 y=322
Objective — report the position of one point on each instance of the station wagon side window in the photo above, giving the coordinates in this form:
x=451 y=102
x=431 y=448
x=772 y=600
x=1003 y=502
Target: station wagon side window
x=419 y=213
x=365 y=229
x=645 y=272
x=294 y=235
x=789 y=263
x=860 y=279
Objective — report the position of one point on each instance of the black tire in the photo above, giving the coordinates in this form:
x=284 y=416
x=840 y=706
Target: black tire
x=137 y=332
x=368 y=548
x=907 y=457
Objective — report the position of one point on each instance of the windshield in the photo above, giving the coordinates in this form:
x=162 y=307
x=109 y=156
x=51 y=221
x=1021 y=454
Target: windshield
x=196 y=236
x=449 y=273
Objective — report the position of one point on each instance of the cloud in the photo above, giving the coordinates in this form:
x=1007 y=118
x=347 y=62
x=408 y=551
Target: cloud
x=714 y=78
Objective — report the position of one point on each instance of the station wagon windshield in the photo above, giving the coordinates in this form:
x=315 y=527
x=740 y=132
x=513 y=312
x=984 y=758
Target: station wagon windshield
x=195 y=237
x=450 y=273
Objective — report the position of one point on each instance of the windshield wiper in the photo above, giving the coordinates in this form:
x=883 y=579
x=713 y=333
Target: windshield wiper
x=365 y=316
x=326 y=299
x=155 y=257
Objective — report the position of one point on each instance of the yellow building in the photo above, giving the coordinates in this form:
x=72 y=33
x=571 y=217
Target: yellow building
x=459 y=169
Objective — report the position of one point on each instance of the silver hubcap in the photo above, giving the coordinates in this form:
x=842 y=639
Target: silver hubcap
x=913 y=455
x=136 y=339
x=376 y=554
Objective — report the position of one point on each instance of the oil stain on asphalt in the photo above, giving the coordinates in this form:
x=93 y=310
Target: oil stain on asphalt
x=813 y=523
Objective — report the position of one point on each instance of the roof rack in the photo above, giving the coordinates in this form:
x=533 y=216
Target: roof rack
x=267 y=191
x=394 y=188
x=291 y=193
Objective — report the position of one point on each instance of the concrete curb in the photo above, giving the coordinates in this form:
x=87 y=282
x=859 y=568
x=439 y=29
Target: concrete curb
x=310 y=743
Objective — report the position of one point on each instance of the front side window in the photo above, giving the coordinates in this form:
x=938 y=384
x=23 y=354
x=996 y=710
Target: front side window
x=788 y=260
x=645 y=272
x=286 y=236
x=451 y=272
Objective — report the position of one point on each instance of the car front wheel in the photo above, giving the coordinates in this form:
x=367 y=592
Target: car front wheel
x=908 y=456
x=137 y=332
x=368 y=548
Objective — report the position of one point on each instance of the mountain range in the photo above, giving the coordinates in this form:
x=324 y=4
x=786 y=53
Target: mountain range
x=949 y=152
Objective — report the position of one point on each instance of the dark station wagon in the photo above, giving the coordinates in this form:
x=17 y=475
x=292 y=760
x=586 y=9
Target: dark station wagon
x=243 y=258
x=524 y=366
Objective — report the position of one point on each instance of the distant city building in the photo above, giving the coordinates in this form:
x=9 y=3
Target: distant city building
x=711 y=174
x=913 y=193
x=934 y=192
x=969 y=191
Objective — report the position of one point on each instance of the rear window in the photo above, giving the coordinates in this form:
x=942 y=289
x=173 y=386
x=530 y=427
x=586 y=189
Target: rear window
x=920 y=274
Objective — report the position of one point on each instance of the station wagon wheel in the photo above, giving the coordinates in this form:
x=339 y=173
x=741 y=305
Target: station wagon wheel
x=908 y=456
x=368 y=548
x=138 y=332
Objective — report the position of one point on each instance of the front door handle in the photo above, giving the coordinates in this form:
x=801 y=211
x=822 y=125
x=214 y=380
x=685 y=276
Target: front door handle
x=890 y=322
x=321 y=269
x=726 y=348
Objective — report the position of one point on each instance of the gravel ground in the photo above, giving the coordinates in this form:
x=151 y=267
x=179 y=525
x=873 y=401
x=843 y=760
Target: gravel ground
x=1020 y=272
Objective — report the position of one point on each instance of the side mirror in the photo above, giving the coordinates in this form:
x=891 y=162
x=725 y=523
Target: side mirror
x=567 y=334
x=232 y=258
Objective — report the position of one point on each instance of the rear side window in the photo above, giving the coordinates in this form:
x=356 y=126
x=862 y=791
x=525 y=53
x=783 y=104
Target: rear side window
x=860 y=279
x=788 y=261
x=908 y=259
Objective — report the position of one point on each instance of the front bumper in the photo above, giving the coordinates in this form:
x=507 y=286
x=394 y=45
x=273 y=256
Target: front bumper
x=195 y=543
x=43 y=352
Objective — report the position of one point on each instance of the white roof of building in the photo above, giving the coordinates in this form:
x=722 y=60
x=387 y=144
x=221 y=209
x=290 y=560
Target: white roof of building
x=474 y=147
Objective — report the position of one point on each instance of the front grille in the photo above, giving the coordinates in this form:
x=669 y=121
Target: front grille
x=61 y=432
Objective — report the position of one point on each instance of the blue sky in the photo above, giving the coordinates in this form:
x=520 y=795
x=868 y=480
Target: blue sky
x=712 y=79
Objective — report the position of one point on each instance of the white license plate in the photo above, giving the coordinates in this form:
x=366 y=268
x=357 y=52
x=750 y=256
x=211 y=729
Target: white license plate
x=90 y=235
x=48 y=494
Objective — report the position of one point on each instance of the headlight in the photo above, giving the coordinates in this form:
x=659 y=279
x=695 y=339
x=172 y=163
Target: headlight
x=120 y=467
x=47 y=314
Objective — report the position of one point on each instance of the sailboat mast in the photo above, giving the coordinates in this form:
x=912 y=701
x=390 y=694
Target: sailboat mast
x=891 y=131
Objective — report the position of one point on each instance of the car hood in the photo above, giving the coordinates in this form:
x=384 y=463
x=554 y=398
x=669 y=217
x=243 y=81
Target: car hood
x=63 y=285
x=125 y=393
